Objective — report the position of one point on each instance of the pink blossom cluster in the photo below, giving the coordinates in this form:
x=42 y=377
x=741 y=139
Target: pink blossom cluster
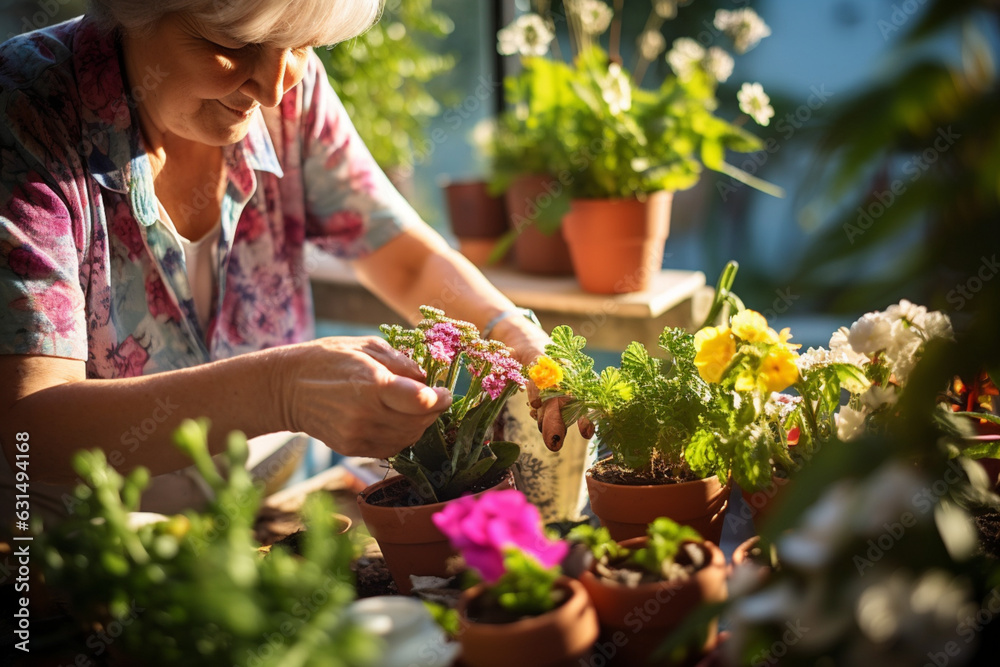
x=501 y=368
x=482 y=528
x=443 y=341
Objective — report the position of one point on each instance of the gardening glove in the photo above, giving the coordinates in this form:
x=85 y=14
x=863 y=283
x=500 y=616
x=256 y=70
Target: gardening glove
x=548 y=414
x=358 y=395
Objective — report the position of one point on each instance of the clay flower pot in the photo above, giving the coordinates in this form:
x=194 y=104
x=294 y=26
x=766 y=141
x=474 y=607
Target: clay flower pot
x=535 y=252
x=617 y=244
x=478 y=219
x=561 y=637
x=409 y=540
x=626 y=510
x=635 y=621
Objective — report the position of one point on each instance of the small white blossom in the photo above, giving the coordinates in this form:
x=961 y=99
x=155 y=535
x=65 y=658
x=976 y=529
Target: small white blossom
x=937 y=325
x=483 y=134
x=616 y=90
x=651 y=44
x=667 y=9
x=685 y=55
x=755 y=103
x=870 y=334
x=877 y=396
x=718 y=63
x=529 y=35
x=850 y=423
x=595 y=16
x=744 y=26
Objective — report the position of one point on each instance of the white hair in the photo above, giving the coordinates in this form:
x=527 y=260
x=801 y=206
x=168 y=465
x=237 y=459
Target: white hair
x=286 y=22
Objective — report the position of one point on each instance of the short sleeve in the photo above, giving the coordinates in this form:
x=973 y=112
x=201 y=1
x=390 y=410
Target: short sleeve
x=41 y=299
x=351 y=207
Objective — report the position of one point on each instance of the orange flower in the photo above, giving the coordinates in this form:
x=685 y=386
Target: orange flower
x=545 y=373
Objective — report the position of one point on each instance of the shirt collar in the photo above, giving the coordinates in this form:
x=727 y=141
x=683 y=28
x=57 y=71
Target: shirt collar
x=111 y=140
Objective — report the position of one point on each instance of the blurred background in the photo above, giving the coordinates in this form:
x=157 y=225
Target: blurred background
x=420 y=83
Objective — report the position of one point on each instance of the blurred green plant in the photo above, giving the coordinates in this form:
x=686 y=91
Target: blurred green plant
x=921 y=145
x=382 y=76
x=194 y=589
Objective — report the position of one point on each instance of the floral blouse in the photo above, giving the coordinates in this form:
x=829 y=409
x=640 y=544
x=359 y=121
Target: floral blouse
x=88 y=270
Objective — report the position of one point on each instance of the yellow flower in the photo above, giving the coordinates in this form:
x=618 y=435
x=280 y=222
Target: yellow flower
x=545 y=373
x=778 y=370
x=751 y=326
x=714 y=349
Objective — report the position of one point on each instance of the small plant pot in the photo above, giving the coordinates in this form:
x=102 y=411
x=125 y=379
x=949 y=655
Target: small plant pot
x=762 y=504
x=478 y=219
x=627 y=510
x=617 y=244
x=408 y=538
x=635 y=620
x=561 y=637
x=534 y=251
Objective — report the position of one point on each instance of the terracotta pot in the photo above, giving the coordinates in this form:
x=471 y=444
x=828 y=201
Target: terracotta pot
x=626 y=510
x=762 y=504
x=558 y=638
x=478 y=219
x=636 y=620
x=617 y=244
x=409 y=540
x=534 y=251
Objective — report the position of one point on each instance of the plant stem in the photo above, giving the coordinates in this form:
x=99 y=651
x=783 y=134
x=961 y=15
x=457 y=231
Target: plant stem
x=614 y=47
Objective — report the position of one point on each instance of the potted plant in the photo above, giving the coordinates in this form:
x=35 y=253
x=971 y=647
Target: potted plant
x=456 y=455
x=524 y=612
x=613 y=150
x=193 y=588
x=643 y=588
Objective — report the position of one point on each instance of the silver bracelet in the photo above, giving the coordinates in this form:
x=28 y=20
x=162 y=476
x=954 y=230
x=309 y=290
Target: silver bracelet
x=526 y=312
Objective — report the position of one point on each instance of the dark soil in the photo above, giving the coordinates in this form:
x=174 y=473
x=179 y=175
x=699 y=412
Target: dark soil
x=373 y=577
x=659 y=473
x=988 y=525
x=402 y=494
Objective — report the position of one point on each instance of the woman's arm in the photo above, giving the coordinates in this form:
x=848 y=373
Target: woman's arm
x=357 y=395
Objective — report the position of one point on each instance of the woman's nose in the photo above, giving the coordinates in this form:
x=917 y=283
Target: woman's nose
x=267 y=82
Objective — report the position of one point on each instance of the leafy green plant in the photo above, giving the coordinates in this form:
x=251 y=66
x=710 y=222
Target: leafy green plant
x=665 y=538
x=588 y=123
x=382 y=78
x=456 y=453
x=712 y=406
x=193 y=589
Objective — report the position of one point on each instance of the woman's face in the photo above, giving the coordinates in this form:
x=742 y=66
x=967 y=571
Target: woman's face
x=205 y=87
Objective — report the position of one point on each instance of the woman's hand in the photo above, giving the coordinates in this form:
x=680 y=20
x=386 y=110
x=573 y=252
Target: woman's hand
x=357 y=395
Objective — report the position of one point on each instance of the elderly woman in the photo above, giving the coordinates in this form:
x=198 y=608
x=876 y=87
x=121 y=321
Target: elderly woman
x=163 y=165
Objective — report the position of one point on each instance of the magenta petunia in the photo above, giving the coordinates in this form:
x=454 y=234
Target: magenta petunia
x=482 y=528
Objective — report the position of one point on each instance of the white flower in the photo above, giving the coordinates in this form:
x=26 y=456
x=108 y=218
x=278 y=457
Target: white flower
x=850 y=423
x=651 y=44
x=718 y=63
x=667 y=9
x=744 y=26
x=595 y=16
x=937 y=325
x=878 y=396
x=483 y=134
x=529 y=35
x=685 y=55
x=870 y=334
x=906 y=310
x=616 y=90
x=755 y=103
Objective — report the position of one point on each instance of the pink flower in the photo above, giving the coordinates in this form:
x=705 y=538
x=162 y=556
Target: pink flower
x=443 y=342
x=129 y=357
x=482 y=528
x=28 y=264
